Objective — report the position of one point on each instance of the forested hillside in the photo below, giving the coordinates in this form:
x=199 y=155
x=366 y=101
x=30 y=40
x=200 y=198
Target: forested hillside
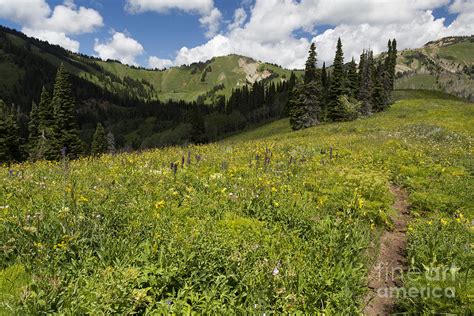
x=123 y=100
x=446 y=65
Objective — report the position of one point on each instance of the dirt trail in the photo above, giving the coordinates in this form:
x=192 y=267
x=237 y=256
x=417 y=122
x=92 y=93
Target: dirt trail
x=391 y=261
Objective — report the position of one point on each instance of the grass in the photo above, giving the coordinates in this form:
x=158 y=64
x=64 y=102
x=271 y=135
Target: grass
x=268 y=221
x=461 y=53
x=417 y=81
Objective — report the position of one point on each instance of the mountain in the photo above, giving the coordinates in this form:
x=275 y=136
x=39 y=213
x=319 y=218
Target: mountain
x=199 y=81
x=446 y=65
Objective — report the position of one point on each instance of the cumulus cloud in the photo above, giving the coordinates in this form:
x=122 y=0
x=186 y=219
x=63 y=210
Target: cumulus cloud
x=119 y=47
x=38 y=20
x=139 y=6
x=158 y=63
x=210 y=19
x=211 y=22
x=269 y=33
x=239 y=19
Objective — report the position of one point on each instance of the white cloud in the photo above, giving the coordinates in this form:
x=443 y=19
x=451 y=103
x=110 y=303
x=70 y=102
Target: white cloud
x=69 y=20
x=269 y=33
x=158 y=63
x=239 y=19
x=53 y=37
x=210 y=16
x=39 y=21
x=212 y=22
x=199 y=6
x=119 y=47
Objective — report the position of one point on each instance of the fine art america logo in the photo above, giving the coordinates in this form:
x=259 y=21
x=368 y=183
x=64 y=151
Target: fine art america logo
x=431 y=274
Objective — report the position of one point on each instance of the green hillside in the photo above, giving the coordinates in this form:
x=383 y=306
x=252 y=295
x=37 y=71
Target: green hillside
x=270 y=221
x=208 y=80
x=445 y=65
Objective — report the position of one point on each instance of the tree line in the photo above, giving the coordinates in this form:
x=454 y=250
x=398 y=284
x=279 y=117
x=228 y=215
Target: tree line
x=52 y=130
x=344 y=92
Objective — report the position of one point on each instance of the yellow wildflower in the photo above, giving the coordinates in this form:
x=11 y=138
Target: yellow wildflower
x=160 y=204
x=443 y=221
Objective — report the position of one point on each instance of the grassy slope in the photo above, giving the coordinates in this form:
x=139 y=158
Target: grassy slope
x=178 y=83
x=448 y=76
x=232 y=233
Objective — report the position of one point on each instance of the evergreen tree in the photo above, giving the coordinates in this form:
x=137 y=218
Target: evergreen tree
x=305 y=102
x=380 y=96
x=66 y=134
x=291 y=86
x=198 y=133
x=9 y=135
x=392 y=63
x=44 y=145
x=325 y=91
x=335 y=110
x=45 y=111
x=310 y=68
x=99 y=141
x=366 y=83
x=304 y=106
x=352 y=79
x=33 y=129
x=111 y=143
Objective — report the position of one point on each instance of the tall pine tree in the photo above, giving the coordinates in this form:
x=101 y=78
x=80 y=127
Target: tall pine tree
x=352 y=79
x=305 y=102
x=336 y=111
x=310 y=67
x=99 y=141
x=33 y=129
x=66 y=134
x=366 y=82
x=381 y=93
x=9 y=135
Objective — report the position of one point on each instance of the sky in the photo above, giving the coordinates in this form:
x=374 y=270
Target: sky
x=165 y=33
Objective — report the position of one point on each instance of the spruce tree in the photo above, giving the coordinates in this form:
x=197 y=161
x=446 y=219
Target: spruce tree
x=45 y=111
x=110 y=143
x=198 y=133
x=44 y=148
x=33 y=129
x=290 y=88
x=5 y=155
x=305 y=102
x=310 y=67
x=352 y=79
x=9 y=135
x=304 y=106
x=66 y=134
x=393 y=63
x=380 y=96
x=366 y=83
x=99 y=141
x=335 y=110
x=325 y=92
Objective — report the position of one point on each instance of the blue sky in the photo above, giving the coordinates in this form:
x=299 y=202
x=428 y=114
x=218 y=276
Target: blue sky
x=273 y=30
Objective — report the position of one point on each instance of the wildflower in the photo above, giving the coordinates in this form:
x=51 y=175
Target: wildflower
x=360 y=203
x=160 y=204
x=82 y=199
x=30 y=229
x=223 y=190
x=276 y=204
x=443 y=221
x=274 y=189
x=372 y=226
